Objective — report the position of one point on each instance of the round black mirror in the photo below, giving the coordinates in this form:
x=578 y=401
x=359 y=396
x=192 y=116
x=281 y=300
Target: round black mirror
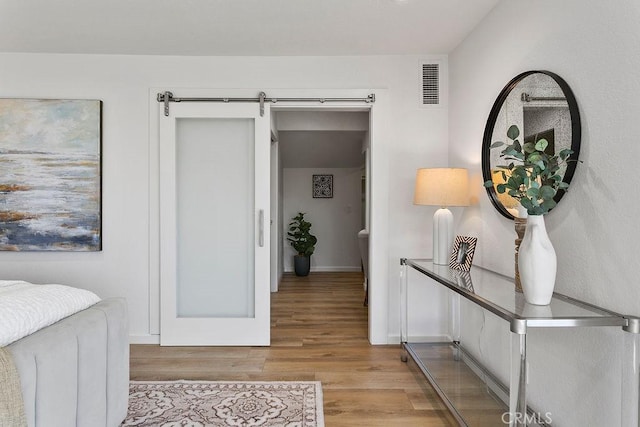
x=542 y=105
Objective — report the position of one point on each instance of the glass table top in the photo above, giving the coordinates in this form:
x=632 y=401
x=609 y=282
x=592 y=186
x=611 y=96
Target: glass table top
x=497 y=294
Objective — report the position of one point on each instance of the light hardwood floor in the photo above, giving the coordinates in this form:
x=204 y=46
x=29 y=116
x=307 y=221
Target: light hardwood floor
x=318 y=332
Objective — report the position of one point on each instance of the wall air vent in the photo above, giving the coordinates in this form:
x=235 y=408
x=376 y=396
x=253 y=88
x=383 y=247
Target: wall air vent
x=430 y=84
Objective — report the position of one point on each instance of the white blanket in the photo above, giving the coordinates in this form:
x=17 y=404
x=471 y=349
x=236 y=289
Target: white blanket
x=26 y=308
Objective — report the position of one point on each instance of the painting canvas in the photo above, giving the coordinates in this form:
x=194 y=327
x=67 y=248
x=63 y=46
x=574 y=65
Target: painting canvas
x=50 y=177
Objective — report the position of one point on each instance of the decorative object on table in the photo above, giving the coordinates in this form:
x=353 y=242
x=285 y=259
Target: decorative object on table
x=462 y=253
x=322 y=186
x=442 y=187
x=50 y=175
x=303 y=242
x=534 y=180
x=537 y=262
x=218 y=403
x=542 y=104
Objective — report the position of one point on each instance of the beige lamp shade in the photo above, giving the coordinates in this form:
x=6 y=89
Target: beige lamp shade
x=442 y=187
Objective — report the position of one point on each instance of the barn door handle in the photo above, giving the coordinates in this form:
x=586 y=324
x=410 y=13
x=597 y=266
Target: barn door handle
x=261 y=228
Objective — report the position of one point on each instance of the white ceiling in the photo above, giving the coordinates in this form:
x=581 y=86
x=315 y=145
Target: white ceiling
x=238 y=27
x=321 y=149
x=246 y=28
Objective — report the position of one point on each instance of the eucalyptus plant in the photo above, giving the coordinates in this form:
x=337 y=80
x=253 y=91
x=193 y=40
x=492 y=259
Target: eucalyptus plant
x=531 y=176
x=300 y=236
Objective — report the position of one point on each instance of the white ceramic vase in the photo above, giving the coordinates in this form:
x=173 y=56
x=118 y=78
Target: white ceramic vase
x=537 y=262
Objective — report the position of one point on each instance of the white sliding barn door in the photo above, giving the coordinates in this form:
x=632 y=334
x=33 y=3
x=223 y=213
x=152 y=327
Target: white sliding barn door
x=214 y=224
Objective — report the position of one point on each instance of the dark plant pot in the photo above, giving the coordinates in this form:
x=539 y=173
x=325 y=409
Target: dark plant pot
x=301 y=265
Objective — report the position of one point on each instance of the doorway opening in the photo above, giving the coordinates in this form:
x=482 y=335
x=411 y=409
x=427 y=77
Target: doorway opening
x=331 y=145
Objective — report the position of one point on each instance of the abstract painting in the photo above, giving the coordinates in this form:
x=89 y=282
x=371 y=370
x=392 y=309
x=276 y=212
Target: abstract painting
x=322 y=186
x=50 y=175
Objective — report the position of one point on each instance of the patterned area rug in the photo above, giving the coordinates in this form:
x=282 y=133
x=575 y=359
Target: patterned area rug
x=221 y=403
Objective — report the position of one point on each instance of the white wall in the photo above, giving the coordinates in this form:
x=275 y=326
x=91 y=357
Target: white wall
x=335 y=221
x=130 y=169
x=593 y=45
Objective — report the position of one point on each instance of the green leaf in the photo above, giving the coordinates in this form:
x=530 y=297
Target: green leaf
x=534 y=157
x=529 y=147
x=542 y=144
x=497 y=144
x=519 y=156
x=547 y=192
x=533 y=192
x=501 y=188
x=565 y=154
x=513 y=132
x=515 y=181
x=547 y=205
x=517 y=146
x=563 y=185
x=488 y=184
x=526 y=203
x=520 y=171
x=537 y=210
x=510 y=151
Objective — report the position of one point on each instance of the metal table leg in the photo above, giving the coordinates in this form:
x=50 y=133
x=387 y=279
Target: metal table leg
x=518 y=387
x=404 y=307
x=630 y=407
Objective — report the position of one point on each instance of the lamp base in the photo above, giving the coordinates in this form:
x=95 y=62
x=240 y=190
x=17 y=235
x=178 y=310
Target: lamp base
x=442 y=236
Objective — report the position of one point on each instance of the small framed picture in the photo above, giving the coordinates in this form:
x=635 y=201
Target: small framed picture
x=462 y=253
x=322 y=186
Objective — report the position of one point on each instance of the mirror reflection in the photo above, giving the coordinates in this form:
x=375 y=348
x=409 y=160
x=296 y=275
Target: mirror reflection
x=542 y=105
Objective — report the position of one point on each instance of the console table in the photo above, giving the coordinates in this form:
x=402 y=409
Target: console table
x=496 y=293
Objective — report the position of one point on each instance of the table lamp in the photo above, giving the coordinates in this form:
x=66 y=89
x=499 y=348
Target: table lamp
x=442 y=187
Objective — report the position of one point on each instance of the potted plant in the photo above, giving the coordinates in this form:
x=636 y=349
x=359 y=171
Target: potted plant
x=303 y=243
x=533 y=177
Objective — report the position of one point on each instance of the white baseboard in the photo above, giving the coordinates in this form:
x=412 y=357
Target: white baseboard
x=339 y=269
x=392 y=339
x=144 y=339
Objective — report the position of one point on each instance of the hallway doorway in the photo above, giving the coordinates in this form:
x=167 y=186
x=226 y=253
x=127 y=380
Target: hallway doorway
x=328 y=143
x=331 y=145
